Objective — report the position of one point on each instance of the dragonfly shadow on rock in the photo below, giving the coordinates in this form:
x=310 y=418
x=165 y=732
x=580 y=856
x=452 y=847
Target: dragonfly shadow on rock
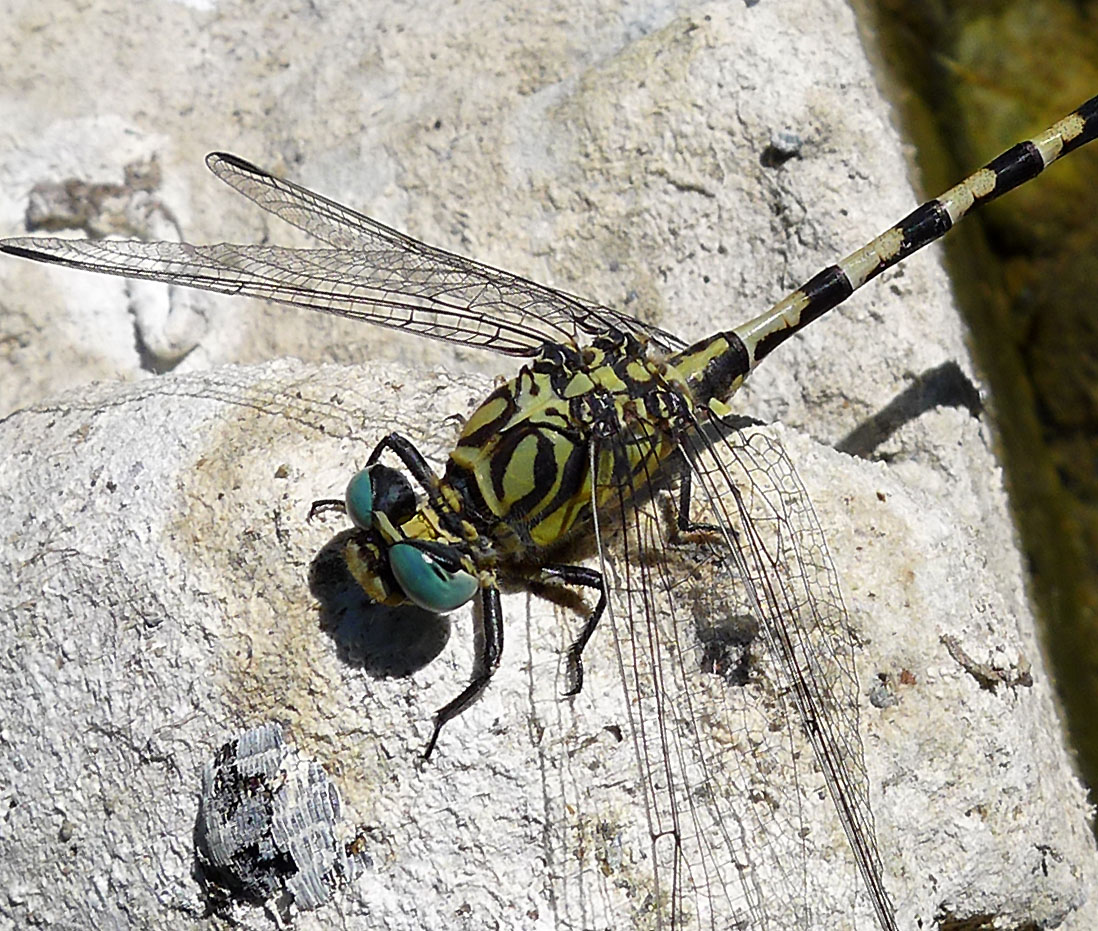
x=945 y=385
x=386 y=642
x=726 y=646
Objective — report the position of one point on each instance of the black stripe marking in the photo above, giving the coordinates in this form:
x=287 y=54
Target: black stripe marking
x=534 y=507
x=721 y=372
x=921 y=227
x=1017 y=165
x=823 y=291
x=544 y=466
x=478 y=438
x=499 y=462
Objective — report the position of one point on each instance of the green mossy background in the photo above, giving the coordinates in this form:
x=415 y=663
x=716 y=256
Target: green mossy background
x=969 y=78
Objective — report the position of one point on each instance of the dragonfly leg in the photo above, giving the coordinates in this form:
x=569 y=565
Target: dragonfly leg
x=488 y=663
x=589 y=578
x=402 y=448
x=323 y=505
x=683 y=523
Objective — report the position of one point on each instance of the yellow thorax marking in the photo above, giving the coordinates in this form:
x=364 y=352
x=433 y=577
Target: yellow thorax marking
x=424 y=524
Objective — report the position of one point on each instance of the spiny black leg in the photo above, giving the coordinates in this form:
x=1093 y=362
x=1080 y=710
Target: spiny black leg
x=326 y=504
x=683 y=523
x=589 y=578
x=490 y=653
x=403 y=449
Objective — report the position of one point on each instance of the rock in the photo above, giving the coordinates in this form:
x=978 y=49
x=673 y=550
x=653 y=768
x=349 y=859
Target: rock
x=155 y=532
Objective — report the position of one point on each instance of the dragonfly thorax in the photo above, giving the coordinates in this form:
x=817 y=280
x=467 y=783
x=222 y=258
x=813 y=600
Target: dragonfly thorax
x=523 y=464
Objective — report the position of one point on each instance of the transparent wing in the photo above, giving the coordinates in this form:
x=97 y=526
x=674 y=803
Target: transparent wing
x=748 y=483
x=371 y=273
x=285 y=389
x=739 y=672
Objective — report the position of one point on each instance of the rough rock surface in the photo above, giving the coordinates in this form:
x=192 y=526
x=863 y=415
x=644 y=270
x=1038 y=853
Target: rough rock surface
x=156 y=557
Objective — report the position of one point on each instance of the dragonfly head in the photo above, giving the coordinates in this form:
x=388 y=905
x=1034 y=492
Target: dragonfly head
x=402 y=556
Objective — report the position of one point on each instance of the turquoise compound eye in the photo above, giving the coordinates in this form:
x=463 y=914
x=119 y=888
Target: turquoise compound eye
x=375 y=490
x=428 y=584
x=360 y=500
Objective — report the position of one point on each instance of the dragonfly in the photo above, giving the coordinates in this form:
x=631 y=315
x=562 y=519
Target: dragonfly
x=617 y=436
